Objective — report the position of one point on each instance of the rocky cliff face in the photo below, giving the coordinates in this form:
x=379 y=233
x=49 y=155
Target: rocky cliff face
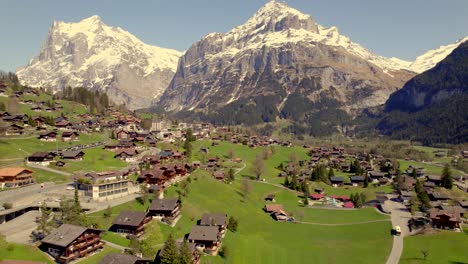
x=96 y=56
x=433 y=106
x=276 y=57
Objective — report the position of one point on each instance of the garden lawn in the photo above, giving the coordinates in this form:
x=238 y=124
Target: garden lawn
x=104 y=223
x=11 y=148
x=116 y=239
x=22 y=252
x=97 y=257
x=47 y=176
x=96 y=159
x=445 y=247
x=431 y=169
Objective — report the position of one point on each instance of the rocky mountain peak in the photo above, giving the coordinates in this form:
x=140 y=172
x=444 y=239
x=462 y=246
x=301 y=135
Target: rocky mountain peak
x=278 y=16
x=91 y=54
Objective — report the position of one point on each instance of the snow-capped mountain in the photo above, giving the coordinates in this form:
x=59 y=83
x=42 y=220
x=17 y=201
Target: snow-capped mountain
x=277 y=57
x=429 y=59
x=94 y=55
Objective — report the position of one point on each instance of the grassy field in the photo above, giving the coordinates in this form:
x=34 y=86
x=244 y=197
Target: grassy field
x=96 y=159
x=248 y=155
x=22 y=252
x=96 y=258
x=445 y=247
x=430 y=168
x=116 y=239
x=47 y=176
x=257 y=230
x=11 y=148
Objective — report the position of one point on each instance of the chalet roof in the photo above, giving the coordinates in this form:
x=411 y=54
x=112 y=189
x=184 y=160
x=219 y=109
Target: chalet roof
x=72 y=154
x=41 y=154
x=64 y=235
x=407 y=194
x=437 y=214
x=376 y=174
x=69 y=133
x=119 y=259
x=439 y=195
x=357 y=178
x=463 y=203
x=128 y=151
x=434 y=177
x=336 y=179
x=13 y=171
x=164 y=204
x=218 y=219
x=273 y=208
x=130 y=218
x=204 y=233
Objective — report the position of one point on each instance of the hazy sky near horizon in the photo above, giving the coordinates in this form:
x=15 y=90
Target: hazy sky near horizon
x=397 y=28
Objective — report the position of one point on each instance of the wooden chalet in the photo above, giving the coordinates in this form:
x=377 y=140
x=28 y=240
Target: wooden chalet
x=276 y=211
x=14 y=130
x=357 y=180
x=130 y=222
x=219 y=175
x=445 y=219
x=41 y=158
x=63 y=124
x=70 y=136
x=215 y=219
x=165 y=208
x=13 y=177
x=48 y=136
x=73 y=155
x=69 y=242
x=205 y=238
x=128 y=154
x=336 y=181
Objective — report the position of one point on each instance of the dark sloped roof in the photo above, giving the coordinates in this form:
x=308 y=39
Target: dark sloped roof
x=204 y=233
x=217 y=219
x=72 y=154
x=336 y=179
x=64 y=235
x=119 y=259
x=164 y=204
x=130 y=218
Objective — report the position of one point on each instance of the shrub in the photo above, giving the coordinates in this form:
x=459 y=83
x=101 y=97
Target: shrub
x=7 y=205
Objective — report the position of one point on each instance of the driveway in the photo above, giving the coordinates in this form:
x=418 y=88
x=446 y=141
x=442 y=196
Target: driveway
x=400 y=216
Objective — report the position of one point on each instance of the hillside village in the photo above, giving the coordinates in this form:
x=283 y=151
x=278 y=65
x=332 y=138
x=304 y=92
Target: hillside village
x=93 y=185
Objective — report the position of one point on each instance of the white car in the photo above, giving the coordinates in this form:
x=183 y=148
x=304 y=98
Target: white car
x=70 y=188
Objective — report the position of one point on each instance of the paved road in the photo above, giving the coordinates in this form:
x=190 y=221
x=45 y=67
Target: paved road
x=400 y=216
x=18 y=230
x=30 y=194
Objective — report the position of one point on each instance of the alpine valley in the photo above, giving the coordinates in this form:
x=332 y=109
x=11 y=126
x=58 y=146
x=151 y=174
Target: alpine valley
x=280 y=64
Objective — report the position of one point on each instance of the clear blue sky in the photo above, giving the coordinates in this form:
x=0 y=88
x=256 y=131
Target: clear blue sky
x=393 y=28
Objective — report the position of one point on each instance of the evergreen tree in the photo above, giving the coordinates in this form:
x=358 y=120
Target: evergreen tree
x=185 y=255
x=232 y=224
x=414 y=174
x=169 y=253
x=294 y=183
x=188 y=149
x=231 y=175
x=286 y=181
x=447 y=179
x=366 y=181
x=331 y=173
x=2 y=106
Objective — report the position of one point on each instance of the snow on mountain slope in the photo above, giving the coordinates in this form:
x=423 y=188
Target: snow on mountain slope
x=260 y=31
x=94 y=55
x=429 y=59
